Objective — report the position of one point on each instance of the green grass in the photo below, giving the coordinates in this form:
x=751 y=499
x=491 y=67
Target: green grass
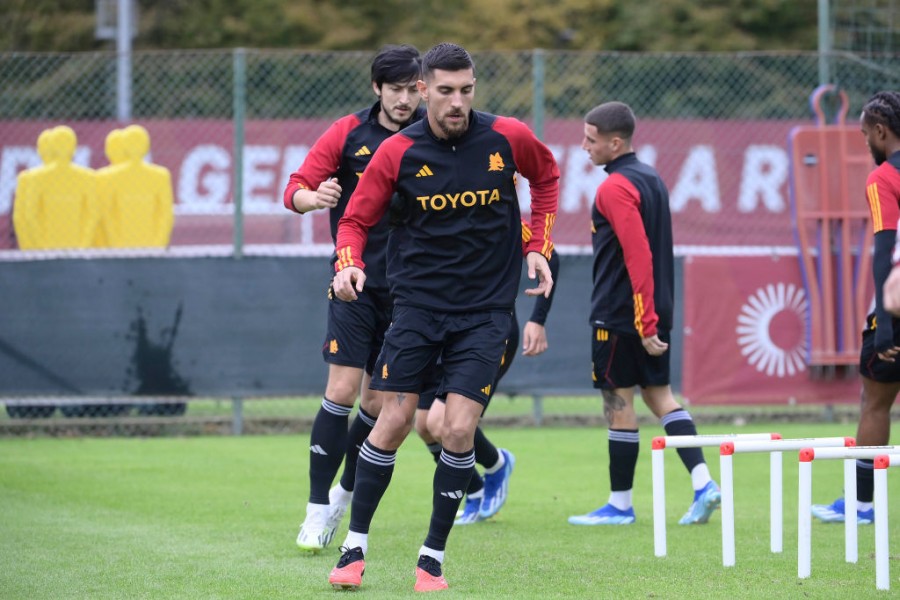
x=216 y=517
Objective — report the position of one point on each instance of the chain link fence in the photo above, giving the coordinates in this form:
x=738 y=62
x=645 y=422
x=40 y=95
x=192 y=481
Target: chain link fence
x=230 y=126
x=225 y=129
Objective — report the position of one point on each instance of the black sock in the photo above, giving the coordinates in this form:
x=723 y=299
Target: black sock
x=624 y=445
x=451 y=478
x=435 y=450
x=486 y=453
x=373 y=475
x=476 y=484
x=327 y=445
x=865 y=480
x=679 y=422
x=359 y=430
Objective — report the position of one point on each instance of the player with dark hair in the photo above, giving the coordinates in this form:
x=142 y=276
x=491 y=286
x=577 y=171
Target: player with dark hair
x=631 y=313
x=486 y=496
x=454 y=267
x=355 y=330
x=878 y=364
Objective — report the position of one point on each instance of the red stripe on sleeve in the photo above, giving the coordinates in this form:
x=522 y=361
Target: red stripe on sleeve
x=323 y=160
x=369 y=201
x=536 y=163
x=620 y=202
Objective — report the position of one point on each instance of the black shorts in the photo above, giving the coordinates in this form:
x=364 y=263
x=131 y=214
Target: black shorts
x=469 y=346
x=432 y=390
x=356 y=329
x=869 y=364
x=620 y=361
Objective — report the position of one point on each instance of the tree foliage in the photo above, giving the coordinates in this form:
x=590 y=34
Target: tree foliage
x=622 y=25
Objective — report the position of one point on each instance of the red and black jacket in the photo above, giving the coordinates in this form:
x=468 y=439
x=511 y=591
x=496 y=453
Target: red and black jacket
x=634 y=264
x=459 y=245
x=344 y=151
x=883 y=196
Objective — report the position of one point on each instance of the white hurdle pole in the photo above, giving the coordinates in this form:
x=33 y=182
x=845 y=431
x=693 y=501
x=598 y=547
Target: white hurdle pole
x=776 y=448
x=882 y=554
x=849 y=455
x=660 y=443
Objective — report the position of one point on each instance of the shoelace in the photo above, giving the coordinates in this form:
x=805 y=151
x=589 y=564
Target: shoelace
x=350 y=555
x=430 y=565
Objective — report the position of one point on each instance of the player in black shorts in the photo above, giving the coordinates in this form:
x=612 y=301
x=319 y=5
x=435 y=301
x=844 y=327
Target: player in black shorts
x=879 y=365
x=454 y=269
x=486 y=496
x=355 y=330
x=631 y=313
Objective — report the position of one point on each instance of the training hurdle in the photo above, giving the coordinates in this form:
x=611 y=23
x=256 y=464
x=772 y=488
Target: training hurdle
x=776 y=449
x=851 y=546
x=658 y=466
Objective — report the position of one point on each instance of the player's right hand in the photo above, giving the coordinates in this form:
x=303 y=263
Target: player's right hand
x=347 y=282
x=328 y=194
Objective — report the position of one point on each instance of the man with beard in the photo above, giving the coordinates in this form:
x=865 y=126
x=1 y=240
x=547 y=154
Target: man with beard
x=879 y=366
x=355 y=331
x=453 y=266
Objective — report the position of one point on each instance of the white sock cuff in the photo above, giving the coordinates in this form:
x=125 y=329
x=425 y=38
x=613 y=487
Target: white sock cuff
x=357 y=540
x=700 y=476
x=338 y=495
x=437 y=555
x=620 y=499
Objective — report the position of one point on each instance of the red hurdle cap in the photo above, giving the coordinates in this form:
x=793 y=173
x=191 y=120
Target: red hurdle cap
x=726 y=449
x=776 y=436
x=807 y=454
x=882 y=461
x=849 y=442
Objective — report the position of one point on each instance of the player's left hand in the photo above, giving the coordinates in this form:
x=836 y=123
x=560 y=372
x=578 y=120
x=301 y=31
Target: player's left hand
x=654 y=346
x=540 y=268
x=534 y=339
x=889 y=355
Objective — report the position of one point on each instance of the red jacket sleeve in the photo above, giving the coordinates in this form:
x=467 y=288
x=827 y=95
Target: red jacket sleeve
x=369 y=202
x=323 y=160
x=536 y=163
x=620 y=203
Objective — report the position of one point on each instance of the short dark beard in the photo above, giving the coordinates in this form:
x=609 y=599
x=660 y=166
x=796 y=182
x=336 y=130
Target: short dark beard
x=387 y=115
x=453 y=135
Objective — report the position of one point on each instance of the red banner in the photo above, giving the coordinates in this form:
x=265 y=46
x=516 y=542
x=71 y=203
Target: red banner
x=745 y=335
x=728 y=179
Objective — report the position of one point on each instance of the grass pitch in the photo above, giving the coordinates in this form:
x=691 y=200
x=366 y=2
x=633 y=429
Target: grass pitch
x=216 y=517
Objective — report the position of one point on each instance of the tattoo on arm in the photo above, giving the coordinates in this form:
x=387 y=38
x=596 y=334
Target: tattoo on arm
x=612 y=402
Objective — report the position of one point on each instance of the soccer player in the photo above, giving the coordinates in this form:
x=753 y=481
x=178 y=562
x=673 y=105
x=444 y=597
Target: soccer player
x=879 y=366
x=355 y=331
x=486 y=496
x=631 y=313
x=454 y=268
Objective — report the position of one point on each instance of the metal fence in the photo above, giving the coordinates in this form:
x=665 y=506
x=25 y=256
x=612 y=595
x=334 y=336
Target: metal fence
x=228 y=127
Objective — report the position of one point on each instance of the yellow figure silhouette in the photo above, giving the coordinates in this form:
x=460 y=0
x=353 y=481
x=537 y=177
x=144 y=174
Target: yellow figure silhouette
x=56 y=204
x=115 y=153
x=136 y=197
